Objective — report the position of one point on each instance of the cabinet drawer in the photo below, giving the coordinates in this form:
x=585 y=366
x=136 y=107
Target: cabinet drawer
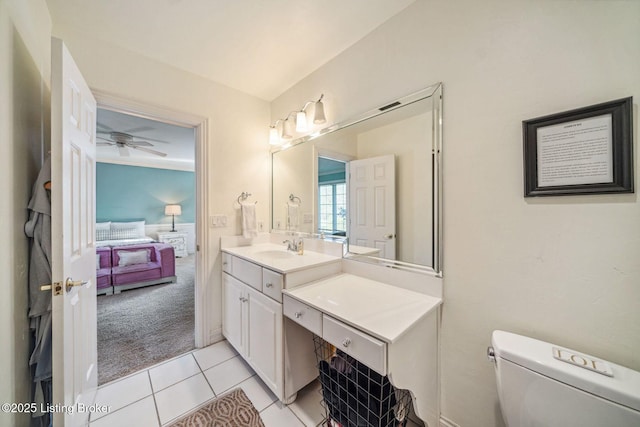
x=226 y=263
x=272 y=284
x=308 y=317
x=248 y=272
x=364 y=348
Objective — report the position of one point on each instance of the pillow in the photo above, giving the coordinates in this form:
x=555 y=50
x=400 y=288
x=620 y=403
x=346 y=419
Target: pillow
x=141 y=256
x=103 y=230
x=127 y=230
x=97 y=261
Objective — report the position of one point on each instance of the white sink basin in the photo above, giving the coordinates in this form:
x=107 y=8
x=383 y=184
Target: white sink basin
x=276 y=254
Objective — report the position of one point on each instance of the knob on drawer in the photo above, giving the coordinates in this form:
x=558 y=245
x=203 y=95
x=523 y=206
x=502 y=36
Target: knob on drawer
x=346 y=342
x=297 y=314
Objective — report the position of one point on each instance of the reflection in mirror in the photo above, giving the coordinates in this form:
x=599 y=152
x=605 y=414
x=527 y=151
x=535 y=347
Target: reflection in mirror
x=374 y=179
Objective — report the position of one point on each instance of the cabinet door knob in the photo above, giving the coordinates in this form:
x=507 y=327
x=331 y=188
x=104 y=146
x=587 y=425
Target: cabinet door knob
x=269 y=285
x=297 y=314
x=346 y=342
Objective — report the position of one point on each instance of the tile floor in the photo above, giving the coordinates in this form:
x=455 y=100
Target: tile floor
x=159 y=395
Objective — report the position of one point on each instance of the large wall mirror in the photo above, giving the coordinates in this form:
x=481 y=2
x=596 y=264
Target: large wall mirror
x=375 y=179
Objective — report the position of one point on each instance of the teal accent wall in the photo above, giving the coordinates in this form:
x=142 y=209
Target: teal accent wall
x=130 y=193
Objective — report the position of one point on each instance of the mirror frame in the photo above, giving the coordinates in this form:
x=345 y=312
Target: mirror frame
x=435 y=93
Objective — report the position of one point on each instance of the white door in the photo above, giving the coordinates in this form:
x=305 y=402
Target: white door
x=372 y=204
x=73 y=118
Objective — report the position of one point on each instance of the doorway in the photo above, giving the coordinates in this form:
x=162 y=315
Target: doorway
x=165 y=319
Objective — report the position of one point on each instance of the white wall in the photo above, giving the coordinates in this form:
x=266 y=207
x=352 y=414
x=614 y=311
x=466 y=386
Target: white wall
x=238 y=151
x=24 y=137
x=561 y=269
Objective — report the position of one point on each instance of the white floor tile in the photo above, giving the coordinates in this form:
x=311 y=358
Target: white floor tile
x=172 y=372
x=182 y=397
x=308 y=405
x=227 y=374
x=123 y=392
x=277 y=416
x=214 y=354
x=140 y=413
x=258 y=393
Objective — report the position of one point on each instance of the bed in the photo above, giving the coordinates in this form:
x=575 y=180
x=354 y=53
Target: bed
x=112 y=233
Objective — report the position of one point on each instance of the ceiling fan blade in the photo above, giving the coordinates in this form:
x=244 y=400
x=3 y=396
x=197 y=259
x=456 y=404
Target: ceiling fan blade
x=138 y=129
x=124 y=151
x=105 y=143
x=140 y=144
x=148 y=150
x=151 y=139
x=104 y=139
x=100 y=126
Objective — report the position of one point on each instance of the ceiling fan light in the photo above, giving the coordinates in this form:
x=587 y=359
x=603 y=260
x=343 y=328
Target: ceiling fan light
x=301 y=122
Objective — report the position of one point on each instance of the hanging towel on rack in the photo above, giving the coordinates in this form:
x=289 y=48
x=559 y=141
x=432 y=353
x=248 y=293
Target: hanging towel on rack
x=249 y=227
x=292 y=216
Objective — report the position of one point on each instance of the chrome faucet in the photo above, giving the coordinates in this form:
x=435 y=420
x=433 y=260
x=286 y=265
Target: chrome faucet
x=292 y=245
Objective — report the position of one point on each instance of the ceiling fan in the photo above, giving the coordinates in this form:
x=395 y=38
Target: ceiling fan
x=123 y=141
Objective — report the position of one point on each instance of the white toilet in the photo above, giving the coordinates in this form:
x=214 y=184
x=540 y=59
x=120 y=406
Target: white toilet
x=571 y=389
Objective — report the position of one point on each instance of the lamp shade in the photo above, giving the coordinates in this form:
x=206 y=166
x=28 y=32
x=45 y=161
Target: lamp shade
x=301 y=122
x=173 y=210
x=318 y=115
x=274 y=137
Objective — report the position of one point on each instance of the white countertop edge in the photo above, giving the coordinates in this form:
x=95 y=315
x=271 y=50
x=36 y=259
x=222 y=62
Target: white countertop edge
x=434 y=304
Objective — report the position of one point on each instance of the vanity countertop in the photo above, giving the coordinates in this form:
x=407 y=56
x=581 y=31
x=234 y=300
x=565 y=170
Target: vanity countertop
x=383 y=311
x=276 y=257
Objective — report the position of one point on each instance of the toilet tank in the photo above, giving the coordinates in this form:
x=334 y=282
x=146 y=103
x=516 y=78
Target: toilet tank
x=544 y=385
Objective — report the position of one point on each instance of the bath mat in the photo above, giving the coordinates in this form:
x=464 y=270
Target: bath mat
x=233 y=409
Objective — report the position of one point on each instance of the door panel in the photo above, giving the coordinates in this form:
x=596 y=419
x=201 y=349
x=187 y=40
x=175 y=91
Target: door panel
x=74 y=348
x=372 y=204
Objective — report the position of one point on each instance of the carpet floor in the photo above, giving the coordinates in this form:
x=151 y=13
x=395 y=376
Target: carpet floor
x=233 y=409
x=141 y=327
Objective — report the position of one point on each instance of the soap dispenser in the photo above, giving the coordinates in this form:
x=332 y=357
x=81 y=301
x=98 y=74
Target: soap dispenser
x=301 y=246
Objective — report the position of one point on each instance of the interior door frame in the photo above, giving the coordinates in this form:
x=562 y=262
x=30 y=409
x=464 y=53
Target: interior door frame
x=203 y=335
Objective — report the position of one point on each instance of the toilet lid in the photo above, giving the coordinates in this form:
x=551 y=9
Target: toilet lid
x=623 y=387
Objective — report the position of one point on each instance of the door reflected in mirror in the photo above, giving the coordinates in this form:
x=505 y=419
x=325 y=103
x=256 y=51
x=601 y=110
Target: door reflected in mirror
x=374 y=179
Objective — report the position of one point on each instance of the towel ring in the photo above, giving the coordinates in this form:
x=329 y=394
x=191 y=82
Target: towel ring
x=293 y=198
x=244 y=196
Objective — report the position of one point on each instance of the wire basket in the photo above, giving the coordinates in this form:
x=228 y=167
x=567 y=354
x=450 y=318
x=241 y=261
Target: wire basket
x=354 y=395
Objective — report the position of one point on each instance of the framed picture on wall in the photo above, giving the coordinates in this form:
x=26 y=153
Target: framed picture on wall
x=584 y=151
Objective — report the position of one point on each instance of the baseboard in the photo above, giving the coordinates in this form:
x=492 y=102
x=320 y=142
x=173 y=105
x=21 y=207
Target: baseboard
x=447 y=423
x=215 y=336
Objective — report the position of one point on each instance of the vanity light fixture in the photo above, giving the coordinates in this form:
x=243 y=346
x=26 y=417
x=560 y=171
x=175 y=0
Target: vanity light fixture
x=274 y=133
x=302 y=124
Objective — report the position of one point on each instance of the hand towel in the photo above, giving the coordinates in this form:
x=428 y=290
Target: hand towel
x=249 y=227
x=292 y=216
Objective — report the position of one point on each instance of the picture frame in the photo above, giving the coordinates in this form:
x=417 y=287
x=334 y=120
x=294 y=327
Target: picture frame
x=588 y=150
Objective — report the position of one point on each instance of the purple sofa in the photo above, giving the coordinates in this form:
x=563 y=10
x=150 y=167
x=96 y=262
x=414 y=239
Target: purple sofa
x=136 y=266
x=103 y=271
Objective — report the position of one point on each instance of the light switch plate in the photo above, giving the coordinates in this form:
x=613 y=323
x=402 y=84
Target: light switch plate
x=218 y=221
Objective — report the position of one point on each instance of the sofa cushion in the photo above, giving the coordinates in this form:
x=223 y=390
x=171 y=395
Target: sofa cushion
x=140 y=256
x=135 y=273
x=103 y=278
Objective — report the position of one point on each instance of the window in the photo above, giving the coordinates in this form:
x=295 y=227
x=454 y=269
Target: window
x=332 y=212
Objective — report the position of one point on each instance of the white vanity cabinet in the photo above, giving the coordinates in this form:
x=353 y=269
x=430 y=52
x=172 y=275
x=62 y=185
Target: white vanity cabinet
x=253 y=322
x=253 y=325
